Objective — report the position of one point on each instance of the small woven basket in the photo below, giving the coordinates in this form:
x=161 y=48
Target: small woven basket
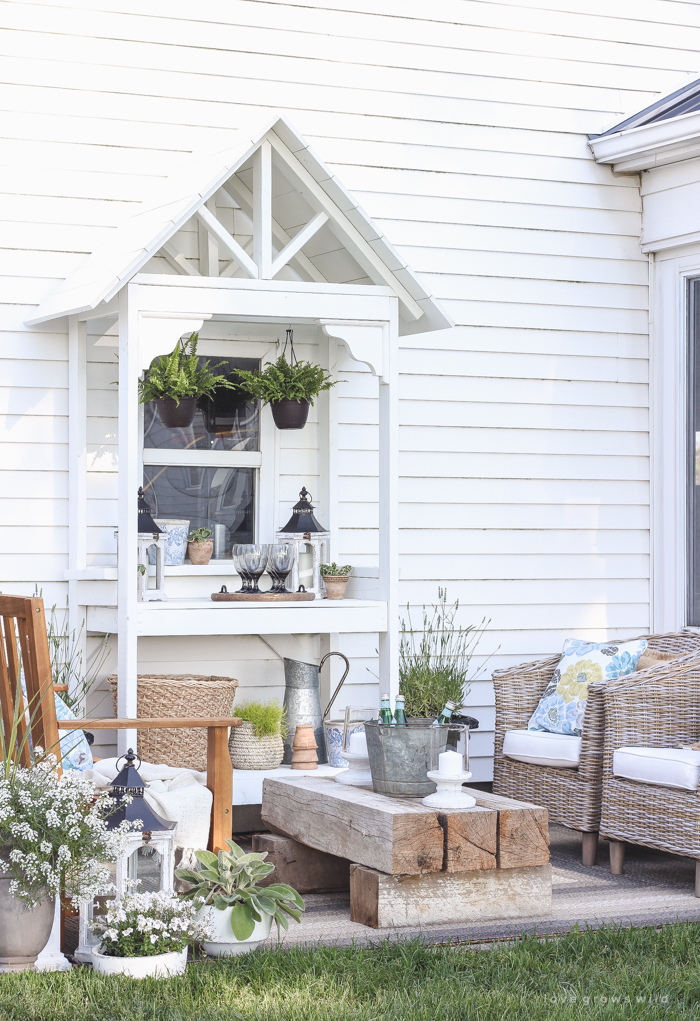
x=177 y=696
x=251 y=752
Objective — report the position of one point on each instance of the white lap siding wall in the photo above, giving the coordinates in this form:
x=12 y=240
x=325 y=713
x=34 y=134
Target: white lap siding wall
x=461 y=127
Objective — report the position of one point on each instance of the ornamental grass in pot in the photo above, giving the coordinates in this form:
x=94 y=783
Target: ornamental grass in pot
x=233 y=903
x=200 y=546
x=289 y=387
x=146 y=935
x=176 y=382
x=258 y=742
x=335 y=579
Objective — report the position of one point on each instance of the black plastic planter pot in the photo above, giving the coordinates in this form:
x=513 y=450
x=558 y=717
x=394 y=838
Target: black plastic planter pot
x=174 y=415
x=290 y=414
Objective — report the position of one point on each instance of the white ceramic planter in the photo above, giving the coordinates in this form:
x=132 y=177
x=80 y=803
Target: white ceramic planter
x=158 y=966
x=223 y=943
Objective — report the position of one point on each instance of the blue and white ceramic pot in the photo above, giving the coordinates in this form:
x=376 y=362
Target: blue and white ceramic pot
x=177 y=530
x=333 y=730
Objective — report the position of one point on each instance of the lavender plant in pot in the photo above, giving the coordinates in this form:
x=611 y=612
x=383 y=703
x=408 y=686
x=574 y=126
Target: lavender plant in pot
x=233 y=902
x=176 y=382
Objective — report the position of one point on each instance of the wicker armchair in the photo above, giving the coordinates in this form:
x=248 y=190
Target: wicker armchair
x=659 y=708
x=572 y=796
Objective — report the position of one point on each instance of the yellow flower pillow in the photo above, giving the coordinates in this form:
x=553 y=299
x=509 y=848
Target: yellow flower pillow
x=563 y=702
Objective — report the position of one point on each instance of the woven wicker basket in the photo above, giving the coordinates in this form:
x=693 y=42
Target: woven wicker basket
x=178 y=695
x=251 y=752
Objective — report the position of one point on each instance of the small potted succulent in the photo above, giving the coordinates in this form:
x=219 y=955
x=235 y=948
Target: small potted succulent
x=335 y=579
x=258 y=742
x=200 y=545
x=233 y=902
x=146 y=935
x=289 y=387
x=176 y=382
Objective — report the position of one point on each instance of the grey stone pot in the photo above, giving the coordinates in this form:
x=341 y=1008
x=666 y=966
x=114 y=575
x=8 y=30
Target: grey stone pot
x=24 y=932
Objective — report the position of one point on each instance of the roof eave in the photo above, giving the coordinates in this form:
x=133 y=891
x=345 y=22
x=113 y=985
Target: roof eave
x=651 y=145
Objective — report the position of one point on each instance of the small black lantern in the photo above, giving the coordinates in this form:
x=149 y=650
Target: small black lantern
x=128 y=782
x=147 y=525
x=302 y=520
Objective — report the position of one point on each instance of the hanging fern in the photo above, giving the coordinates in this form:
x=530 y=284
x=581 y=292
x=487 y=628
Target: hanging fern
x=178 y=375
x=281 y=381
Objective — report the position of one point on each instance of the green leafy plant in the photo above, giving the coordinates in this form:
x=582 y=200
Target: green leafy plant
x=231 y=879
x=149 y=923
x=179 y=375
x=267 y=717
x=333 y=571
x=199 y=535
x=434 y=659
x=280 y=380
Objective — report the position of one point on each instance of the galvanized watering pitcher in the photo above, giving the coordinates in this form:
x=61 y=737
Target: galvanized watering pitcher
x=302 y=703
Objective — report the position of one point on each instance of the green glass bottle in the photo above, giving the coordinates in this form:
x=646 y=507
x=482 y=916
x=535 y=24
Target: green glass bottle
x=385 y=711
x=400 y=711
x=446 y=714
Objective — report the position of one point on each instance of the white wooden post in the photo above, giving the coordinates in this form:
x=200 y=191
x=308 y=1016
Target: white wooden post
x=262 y=210
x=77 y=475
x=127 y=641
x=389 y=505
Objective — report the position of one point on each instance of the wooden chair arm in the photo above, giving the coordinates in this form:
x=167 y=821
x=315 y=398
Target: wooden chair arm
x=147 y=723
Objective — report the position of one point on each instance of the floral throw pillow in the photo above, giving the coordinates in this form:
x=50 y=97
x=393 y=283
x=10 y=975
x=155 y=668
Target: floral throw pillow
x=563 y=702
x=75 y=750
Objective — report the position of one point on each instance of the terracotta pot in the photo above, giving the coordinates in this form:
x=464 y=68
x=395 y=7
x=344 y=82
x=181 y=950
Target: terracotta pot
x=24 y=931
x=290 y=414
x=200 y=552
x=336 y=585
x=176 y=416
x=304 y=753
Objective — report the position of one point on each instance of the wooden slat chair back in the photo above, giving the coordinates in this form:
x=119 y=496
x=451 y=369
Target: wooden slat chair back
x=24 y=643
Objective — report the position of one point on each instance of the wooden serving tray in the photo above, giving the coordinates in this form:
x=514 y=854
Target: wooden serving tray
x=262 y=597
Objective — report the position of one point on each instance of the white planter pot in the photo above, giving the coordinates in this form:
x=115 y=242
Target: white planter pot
x=223 y=943
x=158 y=966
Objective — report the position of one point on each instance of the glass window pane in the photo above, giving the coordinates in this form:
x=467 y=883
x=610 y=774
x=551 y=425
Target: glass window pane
x=694 y=455
x=218 y=498
x=225 y=423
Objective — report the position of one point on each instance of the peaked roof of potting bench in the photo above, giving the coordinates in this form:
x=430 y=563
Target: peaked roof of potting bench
x=183 y=195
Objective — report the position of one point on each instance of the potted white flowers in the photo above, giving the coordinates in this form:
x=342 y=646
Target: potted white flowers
x=236 y=907
x=53 y=837
x=335 y=579
x=146 y=935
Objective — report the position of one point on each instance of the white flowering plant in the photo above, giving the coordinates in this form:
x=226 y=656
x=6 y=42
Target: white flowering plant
x=53 y=831
x=146 y=924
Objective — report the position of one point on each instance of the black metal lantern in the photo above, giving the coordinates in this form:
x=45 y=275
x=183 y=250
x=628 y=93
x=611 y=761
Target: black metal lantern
x=128 y=782
x=147 y=525
x=302 y=519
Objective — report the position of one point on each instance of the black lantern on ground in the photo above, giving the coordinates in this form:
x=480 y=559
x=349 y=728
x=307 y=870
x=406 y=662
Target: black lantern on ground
x=302 y=519
x=128 y=782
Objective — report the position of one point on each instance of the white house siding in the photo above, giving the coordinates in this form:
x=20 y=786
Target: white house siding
x=462 y=128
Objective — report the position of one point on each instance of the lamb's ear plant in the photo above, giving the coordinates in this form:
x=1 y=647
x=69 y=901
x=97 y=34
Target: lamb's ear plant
x=178 y=375
x=231 y=879
x=280 y=380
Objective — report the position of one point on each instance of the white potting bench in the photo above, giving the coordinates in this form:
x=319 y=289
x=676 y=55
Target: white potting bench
x=154 y=309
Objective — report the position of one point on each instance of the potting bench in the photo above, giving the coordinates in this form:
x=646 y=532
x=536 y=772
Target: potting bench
x=409 y=864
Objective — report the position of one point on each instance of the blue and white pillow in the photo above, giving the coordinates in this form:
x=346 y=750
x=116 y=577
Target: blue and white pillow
x=563 y=703
x=75 y=750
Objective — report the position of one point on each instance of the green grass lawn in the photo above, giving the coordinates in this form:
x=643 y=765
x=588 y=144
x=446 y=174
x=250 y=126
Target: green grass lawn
x=639 y=973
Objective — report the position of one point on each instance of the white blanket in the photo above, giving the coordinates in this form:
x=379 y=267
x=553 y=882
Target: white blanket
x=179 y=795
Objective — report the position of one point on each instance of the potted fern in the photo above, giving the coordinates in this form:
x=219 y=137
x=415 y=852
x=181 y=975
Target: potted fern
x=176 y=382
x=257 y=743
x=289 y=387
x=235 y=906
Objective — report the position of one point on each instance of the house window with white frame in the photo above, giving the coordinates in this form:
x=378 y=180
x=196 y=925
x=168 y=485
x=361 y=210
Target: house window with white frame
x=207 y=473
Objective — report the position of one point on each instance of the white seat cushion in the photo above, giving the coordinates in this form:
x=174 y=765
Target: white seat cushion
x=667 y=767
x=542 y=748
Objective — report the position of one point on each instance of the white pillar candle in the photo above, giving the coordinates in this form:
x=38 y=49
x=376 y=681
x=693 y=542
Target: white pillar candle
x=358 y=743
x=451 y=763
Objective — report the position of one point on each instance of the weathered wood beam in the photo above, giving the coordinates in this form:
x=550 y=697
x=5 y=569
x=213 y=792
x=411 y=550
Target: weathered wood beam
x=227 y=241
x=298 y=242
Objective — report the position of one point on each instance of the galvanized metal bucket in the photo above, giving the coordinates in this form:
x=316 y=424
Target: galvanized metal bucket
x=400 y=757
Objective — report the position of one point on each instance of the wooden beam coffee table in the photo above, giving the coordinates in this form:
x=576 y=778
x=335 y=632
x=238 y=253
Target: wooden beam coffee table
x=409 y=864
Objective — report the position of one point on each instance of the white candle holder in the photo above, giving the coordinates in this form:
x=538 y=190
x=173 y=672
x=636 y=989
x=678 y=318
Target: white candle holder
x=355 y=753
x=449 y=793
